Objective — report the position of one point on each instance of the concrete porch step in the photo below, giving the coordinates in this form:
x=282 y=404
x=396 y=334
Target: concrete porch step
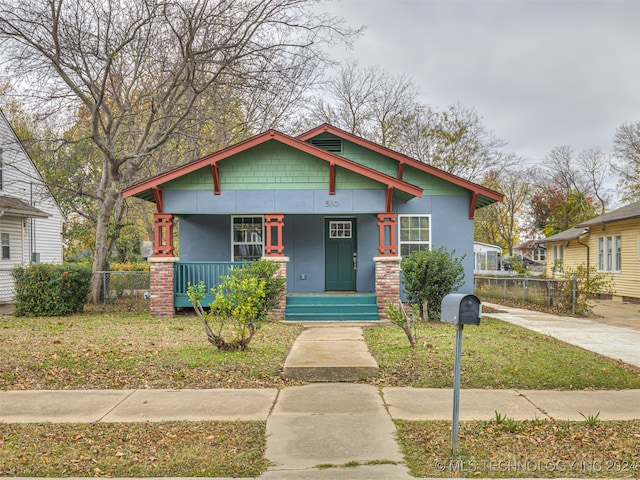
x=332 y=307
x=330 y=354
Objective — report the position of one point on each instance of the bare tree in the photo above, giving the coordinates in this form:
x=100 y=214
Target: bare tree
x=502 y=223
x=585 y=173
x=626 y=143
x=385 y=109
x=456 y=141
x=594 y=165
x=367 y=102
x=141 y=72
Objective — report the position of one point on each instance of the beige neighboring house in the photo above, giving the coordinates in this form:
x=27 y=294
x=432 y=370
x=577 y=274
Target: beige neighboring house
x=610 y=243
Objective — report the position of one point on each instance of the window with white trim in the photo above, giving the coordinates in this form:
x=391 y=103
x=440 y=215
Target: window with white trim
x=610 y=253
x=414 y=233
x=558 y=258
x=340 y=229
x=5 y=243
x=247 y=238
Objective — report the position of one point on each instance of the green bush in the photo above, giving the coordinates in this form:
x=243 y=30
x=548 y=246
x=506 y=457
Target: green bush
x=242 y=300
x=44 y=289
x=429 y=275
x=589 y=282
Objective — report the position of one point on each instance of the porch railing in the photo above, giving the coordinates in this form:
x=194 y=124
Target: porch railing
x=195 y=272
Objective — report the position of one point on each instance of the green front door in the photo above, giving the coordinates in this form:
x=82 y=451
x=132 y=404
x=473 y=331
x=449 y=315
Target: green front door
x=340 y=255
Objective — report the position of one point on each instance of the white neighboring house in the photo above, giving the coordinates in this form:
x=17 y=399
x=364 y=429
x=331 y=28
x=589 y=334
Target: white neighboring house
x=30 y=218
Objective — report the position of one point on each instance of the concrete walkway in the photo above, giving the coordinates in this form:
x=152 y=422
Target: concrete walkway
x=330 y=353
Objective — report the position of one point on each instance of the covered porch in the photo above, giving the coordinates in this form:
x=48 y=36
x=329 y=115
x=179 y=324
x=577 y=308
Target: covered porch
x=334 y=272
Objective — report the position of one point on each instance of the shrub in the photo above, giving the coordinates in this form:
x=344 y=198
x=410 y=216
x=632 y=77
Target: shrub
x=130 y=267
x=429 y=275
x=399 y=317
x=589 y=282
x=241 y=303
x=44 y=289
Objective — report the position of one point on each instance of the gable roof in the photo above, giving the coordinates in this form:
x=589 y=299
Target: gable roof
x=151 y=189
x=148 y=189
x=485 y=195
x=23 y=153
x=628 y=212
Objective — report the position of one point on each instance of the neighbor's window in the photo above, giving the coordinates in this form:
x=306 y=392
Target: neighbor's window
x=558 y=258
x=5 y=242
x=609 y=253
x=414 y=233
x=247 y=238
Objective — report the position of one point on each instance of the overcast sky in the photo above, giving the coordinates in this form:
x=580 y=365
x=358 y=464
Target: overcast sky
x=540 y=73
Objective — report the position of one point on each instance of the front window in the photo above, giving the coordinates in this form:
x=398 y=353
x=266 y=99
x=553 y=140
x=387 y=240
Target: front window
x=247 y=244
x=610 y=253
x=415 y=233
x=5 y=242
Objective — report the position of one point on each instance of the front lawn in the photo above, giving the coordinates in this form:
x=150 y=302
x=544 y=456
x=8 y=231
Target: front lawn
x=130 y=351
x=494 y=355
x=537 y=448
x=166 y=449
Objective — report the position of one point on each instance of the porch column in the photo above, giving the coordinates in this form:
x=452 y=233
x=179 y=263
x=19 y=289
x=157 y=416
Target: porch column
x=387 y=281
x=277 y=314
x=162 y=286
x=387 y=244
x=163 y=235
x=162 y=266
x=273 y=223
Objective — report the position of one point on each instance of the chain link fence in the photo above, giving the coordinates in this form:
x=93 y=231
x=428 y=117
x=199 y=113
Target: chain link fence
x=124 y=288
x=542 y=291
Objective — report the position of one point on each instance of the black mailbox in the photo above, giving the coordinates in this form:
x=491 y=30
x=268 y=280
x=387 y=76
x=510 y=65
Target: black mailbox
x=461 y=308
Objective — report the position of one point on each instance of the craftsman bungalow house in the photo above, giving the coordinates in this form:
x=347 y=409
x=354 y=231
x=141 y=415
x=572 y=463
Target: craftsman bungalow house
x=335 y=211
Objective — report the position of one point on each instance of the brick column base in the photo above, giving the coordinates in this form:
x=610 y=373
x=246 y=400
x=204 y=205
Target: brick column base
x=387 y=282
x=161 y=301
x=277 y=314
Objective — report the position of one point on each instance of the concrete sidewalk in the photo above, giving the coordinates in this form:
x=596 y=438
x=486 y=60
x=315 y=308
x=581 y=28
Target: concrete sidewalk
x=89 y=406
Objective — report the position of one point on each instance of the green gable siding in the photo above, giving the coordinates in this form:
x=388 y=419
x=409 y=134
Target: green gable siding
x=269 y=166
x=431 y=184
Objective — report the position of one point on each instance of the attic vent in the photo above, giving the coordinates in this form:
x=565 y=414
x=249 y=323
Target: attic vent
x=333 y=145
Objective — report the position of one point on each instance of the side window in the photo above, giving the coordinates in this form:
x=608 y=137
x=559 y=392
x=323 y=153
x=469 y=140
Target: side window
x=558 y=258
x=5 y=242
x=414 y=233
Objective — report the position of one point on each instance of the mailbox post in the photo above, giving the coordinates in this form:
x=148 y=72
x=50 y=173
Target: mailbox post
x=460 y=309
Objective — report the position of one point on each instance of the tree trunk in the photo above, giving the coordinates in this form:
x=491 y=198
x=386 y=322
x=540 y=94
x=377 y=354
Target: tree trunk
x=102 y=250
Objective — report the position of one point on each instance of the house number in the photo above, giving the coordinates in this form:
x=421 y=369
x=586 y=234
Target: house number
x=332 y=203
